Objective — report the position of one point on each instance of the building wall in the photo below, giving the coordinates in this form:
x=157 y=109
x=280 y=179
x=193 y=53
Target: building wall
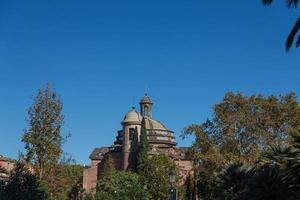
x=93 y=174
x=95 y=162
x=130 y=145
x=7 y=165
x=185 y=168
x=90 y=178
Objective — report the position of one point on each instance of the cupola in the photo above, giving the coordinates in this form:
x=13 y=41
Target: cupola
x=146 y=106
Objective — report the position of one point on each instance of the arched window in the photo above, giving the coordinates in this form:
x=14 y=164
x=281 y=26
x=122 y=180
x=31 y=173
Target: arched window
x=132 y=133
x=145 y=111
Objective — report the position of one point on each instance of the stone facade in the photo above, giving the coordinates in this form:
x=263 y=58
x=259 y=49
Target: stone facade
x=123 y=153
x=7 y=164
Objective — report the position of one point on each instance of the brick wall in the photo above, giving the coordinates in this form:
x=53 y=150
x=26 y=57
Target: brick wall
x=90 y=178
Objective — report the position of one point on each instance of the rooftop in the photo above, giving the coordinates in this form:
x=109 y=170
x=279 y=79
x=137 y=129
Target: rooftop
x=98 y=153
x=146 y=99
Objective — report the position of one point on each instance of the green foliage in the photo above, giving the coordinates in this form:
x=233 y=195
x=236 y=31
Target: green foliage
x=144 y=144
x=275 y=176
x=43 y=143
x=187 y=190
x=120 y=186
x=108 y=168
x=232 y=182
x=260 y=182
x=153 y=171
x=67 y=182
x=295 y=30
x=88 y=196
x=206 y=184
x=76 y=192
x=154 y=174
x=43 y=139
x=267 y=183
x=242 y=128
x=23 y=185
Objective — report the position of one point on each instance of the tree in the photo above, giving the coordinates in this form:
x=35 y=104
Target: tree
x=286 y=158
x=154 y=175
x=144 y=144
x=241 y=129
x=233 y=181
x=23 y=185
x=120 y=186
x=238 y=182
x=275 y=176
x=67 y=182
x=188 y=189
x=243 y=126
x=294 y=32
x=267 y=183
x=76 y=192
x=43 y=139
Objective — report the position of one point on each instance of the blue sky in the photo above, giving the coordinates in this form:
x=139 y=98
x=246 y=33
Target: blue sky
x=100 y=55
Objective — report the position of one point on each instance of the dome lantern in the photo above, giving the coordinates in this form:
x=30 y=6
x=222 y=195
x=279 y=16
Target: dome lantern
x=146 y=106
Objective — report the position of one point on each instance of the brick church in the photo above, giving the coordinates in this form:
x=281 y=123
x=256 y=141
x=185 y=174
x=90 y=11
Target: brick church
x=123 y=153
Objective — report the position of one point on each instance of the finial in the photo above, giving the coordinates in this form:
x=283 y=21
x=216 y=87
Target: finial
x=146 y=90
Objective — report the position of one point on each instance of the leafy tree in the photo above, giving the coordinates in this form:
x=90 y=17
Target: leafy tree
x=286 y=158
x=275 y=176
x=144 y=144
x=267 y=183
x=233 y=181
x=120 y=186
x=88 y=196
x=243 y=126
x=189 y=188
x=241 y=129
x=238 y=182
x=76 y=192
x=206 y=184
x=294 y=32
x=154 y=175
x=23 y=185
x=153 y=171
x=67 y=181
x=43 y=139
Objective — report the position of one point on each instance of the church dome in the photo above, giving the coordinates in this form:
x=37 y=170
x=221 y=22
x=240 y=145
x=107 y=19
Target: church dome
x=158 y=134
x=132 y=117
x=153 y=124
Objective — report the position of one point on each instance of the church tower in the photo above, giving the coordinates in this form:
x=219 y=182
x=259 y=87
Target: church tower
x=131 y=133
x=146 y=106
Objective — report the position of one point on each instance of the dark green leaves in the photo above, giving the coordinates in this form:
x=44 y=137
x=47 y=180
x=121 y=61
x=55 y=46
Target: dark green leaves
x=295 y=30
x=144 y=144
x=289 y=3
x=120 y=186
x=154 y=175
x=292 y=35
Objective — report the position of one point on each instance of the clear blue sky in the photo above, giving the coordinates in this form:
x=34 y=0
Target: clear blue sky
x=100 y=56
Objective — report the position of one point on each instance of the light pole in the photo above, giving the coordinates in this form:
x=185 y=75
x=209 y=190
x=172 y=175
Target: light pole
x=173 y=190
